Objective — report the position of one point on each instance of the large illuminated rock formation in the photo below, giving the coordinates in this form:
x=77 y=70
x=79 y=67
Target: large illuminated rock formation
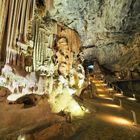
x=47 y=50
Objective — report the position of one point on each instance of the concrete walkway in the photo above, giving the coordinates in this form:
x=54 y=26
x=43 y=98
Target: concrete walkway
x=110 y=116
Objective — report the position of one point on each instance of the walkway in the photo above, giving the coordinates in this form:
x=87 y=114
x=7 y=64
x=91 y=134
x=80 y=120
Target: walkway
x=110 y=116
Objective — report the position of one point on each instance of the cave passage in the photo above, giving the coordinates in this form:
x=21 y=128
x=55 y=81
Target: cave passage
x=69 y=70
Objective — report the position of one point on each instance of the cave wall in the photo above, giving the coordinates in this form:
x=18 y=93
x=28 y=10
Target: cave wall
x=111 y=27
x=117 y=56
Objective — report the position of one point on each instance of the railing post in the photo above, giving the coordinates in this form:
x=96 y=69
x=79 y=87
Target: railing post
x=120 y=101
x=122 y=92
x=134 y=117
x=134 y=96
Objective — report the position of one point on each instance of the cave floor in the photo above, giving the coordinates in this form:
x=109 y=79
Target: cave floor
x=109 y=119
x=106 y=120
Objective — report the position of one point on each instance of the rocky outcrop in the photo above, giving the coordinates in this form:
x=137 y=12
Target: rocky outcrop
x=117 y=56
x=94 y=20
x=111 y=27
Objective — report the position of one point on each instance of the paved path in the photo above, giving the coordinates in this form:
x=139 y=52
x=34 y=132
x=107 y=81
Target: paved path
x=107 y=119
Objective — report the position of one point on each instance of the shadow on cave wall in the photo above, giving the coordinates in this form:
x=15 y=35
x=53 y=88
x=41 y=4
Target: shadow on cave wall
x=131 y=23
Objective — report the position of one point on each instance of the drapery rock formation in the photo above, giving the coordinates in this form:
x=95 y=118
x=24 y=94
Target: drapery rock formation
x=44 y=51
x=14 y=29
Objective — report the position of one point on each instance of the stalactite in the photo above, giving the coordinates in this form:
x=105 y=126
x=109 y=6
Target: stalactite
x=37 y=45
x=26 y=20
x=36 y=36
x=18 y=12
x=12 y=42
x=3 y=29
x=49 y=4
x=32 y=8
x=14 y=17
x=9 y=26
x=41 y=48
x=55 y=28
x=13 y=28
x=34 y=31
x=22 y=20
x=44 y=48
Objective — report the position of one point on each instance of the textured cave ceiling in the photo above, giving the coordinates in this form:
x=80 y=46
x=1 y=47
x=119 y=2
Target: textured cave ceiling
x=111 y=26
x=97 y=20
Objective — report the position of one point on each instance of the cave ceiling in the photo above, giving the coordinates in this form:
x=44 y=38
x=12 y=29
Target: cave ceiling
x=112 y=27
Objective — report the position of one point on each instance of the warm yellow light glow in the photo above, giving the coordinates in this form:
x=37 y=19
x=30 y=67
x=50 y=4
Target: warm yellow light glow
x=118 y=94
x=100 y=81
x=132 y=99
x=98 y=85
x=101 y=95
x=66 y=103
x=108 y=98
x=100 y=90
x=85 y=109
x=104 y=97
x=111 y=105
x=104 y=84
x=21 y=137
x=76 y=110
x=114 y=119
x=97 y=81
x=110 y=89
x=93 y=81
x=121 y=121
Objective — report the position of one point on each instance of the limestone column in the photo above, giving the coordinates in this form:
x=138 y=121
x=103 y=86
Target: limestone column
x=3 y=30
x=13 y=30
x=26 y=20
x=17 y=22
x=21 y=28
x=9 y=27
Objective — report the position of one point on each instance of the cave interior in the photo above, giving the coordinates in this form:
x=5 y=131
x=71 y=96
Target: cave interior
x=70 y=70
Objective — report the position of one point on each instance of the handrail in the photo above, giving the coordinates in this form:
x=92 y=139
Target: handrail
x=113 y=86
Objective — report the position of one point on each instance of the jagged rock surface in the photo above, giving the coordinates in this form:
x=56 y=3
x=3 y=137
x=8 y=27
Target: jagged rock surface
x=109 y=25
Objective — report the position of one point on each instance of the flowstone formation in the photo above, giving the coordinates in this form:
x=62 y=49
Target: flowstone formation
x=42 y=58
x=55 y=58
